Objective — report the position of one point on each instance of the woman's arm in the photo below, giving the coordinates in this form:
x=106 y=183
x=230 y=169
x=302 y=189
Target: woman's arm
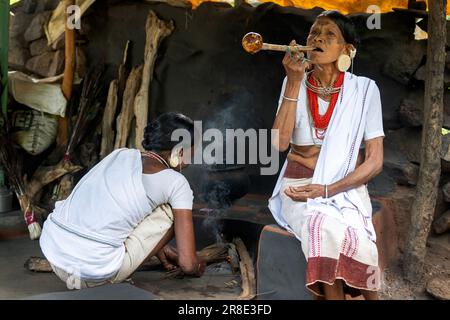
x=372 y=166
x=285 y=119
x=185 y=237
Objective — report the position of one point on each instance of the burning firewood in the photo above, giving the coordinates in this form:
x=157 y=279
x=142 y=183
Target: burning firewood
x=156 y=31
x=212 y=254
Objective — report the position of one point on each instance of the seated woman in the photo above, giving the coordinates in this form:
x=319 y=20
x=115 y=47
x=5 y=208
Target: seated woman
x=324 y=115
x=124 y=211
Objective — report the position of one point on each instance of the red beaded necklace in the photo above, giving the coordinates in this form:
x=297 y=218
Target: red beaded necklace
x=321 y=121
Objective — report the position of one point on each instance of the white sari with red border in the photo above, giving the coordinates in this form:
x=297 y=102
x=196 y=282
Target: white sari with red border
x=337 y=234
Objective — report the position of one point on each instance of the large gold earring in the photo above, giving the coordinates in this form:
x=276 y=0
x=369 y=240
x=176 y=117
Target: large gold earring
x=174 y=161
x=344 y=62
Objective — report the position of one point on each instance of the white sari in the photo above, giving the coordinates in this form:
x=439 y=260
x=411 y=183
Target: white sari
x=337 y=234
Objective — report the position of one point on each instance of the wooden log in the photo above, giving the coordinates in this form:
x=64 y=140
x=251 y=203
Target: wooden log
x=65 y=187
x=430 y=165
x=37 y=264
x=247 y=271
x=156 y=31
x=115 y=99
x=124 y=72
x=126 y=115
x=442 y=224
x=45 y=175
x=108 y=120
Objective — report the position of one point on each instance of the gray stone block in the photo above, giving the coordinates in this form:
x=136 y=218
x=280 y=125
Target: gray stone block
x=39 y=47
x=48 y=64
x=281 y=266
x=36 y=28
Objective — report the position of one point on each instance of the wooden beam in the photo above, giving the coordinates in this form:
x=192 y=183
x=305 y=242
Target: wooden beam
x=424 y=202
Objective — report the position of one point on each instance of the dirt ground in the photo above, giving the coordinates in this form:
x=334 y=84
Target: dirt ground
x=437 y=266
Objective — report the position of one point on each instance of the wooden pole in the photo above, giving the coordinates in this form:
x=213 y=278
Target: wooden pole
x=430 y=166
x=67 y=84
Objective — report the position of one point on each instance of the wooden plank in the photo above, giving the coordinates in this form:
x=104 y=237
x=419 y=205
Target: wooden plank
x=156 y=31
x=247 y=271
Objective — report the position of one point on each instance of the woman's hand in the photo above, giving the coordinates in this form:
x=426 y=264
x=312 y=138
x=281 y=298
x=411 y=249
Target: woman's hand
x=295 y=68
x=310 y=191
x=168 y=257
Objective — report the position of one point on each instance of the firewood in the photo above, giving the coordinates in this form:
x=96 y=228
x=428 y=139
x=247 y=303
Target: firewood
x=211 y=254
x=108 y=120
x=45 y=175
x=442 y=224
x=115 y=98
x=247 y=271
x=65 y=187
x=124 y=72
x=37 y=264
x=126 y=115
x=156 y=31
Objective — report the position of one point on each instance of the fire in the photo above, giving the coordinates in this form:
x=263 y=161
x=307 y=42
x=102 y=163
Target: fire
x=345 y=6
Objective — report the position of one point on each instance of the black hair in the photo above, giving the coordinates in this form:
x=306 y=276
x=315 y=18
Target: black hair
x=158 y=133
x=344 y=23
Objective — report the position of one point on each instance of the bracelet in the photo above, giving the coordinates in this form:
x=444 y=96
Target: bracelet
x=290 y=99
x=326 y=191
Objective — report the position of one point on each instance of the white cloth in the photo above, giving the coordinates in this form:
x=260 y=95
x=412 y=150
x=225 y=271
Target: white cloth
x=338 y=157
x=85 y=234
x=303 y=134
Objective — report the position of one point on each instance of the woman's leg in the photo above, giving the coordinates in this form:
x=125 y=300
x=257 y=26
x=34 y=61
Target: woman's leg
x=335 y=291
x=370 y=295
x=149 y=237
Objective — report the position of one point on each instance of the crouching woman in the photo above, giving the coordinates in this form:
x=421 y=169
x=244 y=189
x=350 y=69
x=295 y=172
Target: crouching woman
x=125 y=210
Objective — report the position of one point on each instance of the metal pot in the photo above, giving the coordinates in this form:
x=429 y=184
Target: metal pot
x=224 y=184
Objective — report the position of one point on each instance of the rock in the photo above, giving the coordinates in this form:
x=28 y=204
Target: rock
x=447 y=60
x=46 y=5
x=421 y=75
x=442 y=224
x=407 y=141
x=19 y=23
x=60 y=43
x=29 y=6
x=397 y=166
x=411 y=109
x=439 y=288
x=448 y=32
x=17 y=55
x=446 y=191
x=401 y=66
x=445 y=153
x=48 y=64
x=36 y=28
x=39 y=47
